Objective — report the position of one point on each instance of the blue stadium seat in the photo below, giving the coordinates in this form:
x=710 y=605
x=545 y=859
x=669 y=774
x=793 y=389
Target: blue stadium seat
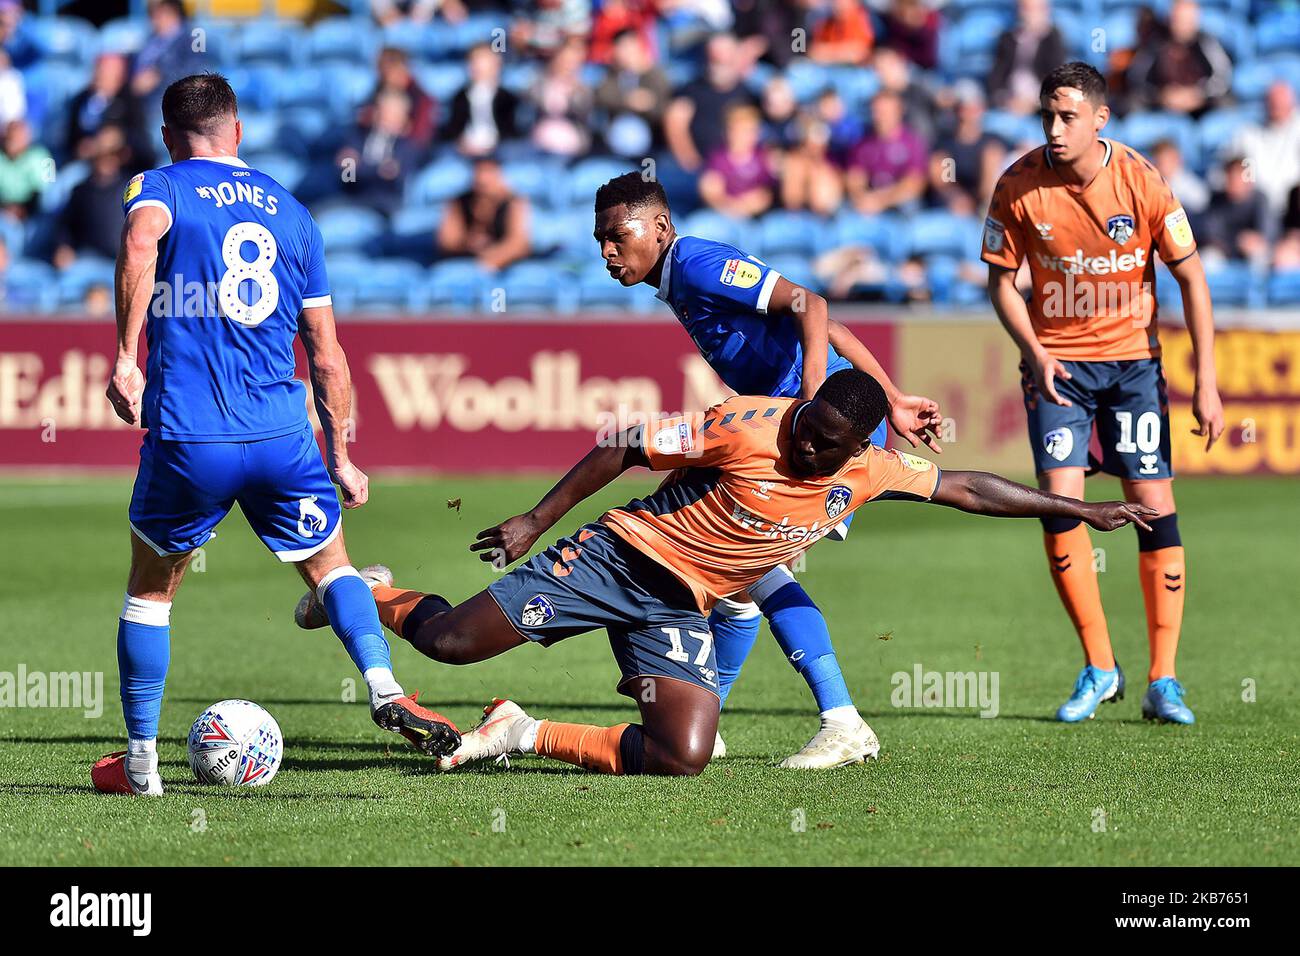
x=782 y=233
x=475 y=29
x=49 y=87
x=1218 y=128
x=1225 y=26
x=65 y=39
x=302 y=127
x=123 y=35
x=1144 y=130
x=283 y=168
x=1011 y=128
x=411 y=233
x=940 y=233
x=85 y=273
x=30 y=286
x=439 y=181
x=55 y=195
x=1233 y=283
x=299 y=87
x=531 y=286
x=976 y=35
x=342 y=40
x=14 y=236
x=535 y=179
x=883 y=234
x=707 y=224
x=1251 y=80
x=278 y=42
x=1278 y=31
x=807 y=78
x=349 y=87
x=1284 y=289
x=456 y=284
x=220 y=40
x=256 y=87
x=384 y=286
x=590 y=174
x=261 y=130
x=349 y=228
x=440 y=80
x=566 y=232
x=518 y=78
x=856 y=87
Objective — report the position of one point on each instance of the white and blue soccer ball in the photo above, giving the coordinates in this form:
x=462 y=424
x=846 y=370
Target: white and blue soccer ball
x=235 y=743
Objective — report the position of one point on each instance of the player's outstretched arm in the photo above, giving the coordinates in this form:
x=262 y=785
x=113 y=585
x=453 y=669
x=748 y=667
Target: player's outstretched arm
x=982 y=493
x=1013 y=313
x=914 y=418
x=812 y=316
x=1206 y=404
x=133 y=290
x=514 y=537
x=331 y=383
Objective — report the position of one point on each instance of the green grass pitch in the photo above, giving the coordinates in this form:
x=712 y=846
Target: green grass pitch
x=914 y=584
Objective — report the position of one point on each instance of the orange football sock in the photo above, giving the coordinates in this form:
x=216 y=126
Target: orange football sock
x=394 y=605
x=585 y=745
x=1069 y=555
x=1164 y=587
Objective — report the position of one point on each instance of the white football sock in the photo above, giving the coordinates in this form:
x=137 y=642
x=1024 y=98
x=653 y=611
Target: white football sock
x=141 y=759
x=528 y=742
x=382 y=685
x=846 y=716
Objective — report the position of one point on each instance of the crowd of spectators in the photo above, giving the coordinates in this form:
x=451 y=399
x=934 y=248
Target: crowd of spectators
x=481 y=125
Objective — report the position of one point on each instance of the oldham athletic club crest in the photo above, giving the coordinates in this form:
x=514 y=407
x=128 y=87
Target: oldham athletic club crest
x=1120 y=228
x=537 y=611
x=1058 y=443
x=837 y=499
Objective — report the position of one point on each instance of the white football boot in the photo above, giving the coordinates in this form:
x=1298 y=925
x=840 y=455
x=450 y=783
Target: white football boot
x=497 y=736
x=719 y=747
x=835 y=745
x=310 y=613
x=135 y=775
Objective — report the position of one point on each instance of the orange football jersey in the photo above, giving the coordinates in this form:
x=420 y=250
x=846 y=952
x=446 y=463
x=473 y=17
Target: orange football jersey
x=1091 y=253
x=738 y=511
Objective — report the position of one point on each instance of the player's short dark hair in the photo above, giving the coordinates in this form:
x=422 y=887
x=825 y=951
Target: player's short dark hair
x=1078 y=76
x=858 y=397
x=199 y=104
x=632 y=190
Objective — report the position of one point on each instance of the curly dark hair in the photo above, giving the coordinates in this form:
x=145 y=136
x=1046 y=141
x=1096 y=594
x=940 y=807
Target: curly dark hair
x=858 y=397
x=633 y=190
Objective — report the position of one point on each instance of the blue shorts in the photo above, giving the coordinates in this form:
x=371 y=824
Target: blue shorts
x=594 y=579
x=184 y=489
x=1127 y=402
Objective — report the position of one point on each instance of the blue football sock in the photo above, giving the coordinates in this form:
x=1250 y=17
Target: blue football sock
x=801 y=630
x=355 y=619
x=733 y=639
x=143 y=652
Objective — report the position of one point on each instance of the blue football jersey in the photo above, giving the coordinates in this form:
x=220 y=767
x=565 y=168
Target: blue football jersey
x=239 y=262
x=720 y=296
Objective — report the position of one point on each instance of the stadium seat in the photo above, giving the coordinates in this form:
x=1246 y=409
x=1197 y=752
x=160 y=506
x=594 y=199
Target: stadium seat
x=80 y=277
x=349 y=228
x=277 y=42
x=590 y=174
x=411 y=233
x=300 y=87
x=283 y=168
x=1218 y=128
x=439 y=181
x=123 y=35
x=256 y=87
x=782 y=233
x=342 y=40
x=302 y=127
x=1234 y=283
x=940 y=233
x=531 y=286
x=536 y=179
x=65 y=39
x=383 y=286
x=1278 y=31
x=457 y=284
x=856 y=87
x=708 y=224
x=56 y=193
x=349 y=86
x=1252 y=80
x=518 y=78
x=1013 y=129
x=261 y=130
x=883 y=234
x=30 y=286
x=1144 y=130
x=807 y=78
x=1284 y=289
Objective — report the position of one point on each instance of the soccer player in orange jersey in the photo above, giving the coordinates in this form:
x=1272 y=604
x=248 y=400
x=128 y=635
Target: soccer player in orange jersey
x=1089 y=216
x=765 y=478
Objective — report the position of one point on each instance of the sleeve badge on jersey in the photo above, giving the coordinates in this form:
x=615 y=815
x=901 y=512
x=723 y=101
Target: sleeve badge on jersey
x=1180 y=230
x=133 y=188
x=675 y=440
x=741 y=274
x=915 y=462
x=994 y=233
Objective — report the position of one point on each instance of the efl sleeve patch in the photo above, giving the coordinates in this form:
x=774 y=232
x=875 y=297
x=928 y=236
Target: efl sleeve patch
x=915 y=462
x=740 y=274
x=678 y=439
x=994 y=234
x=133 y=188
x=1180 y=230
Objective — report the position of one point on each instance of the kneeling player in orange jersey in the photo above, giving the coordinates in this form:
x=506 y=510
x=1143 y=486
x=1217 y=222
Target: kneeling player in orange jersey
x=766 y=478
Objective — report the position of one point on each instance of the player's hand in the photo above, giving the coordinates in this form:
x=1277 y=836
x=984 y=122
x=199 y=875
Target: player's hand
x=125 y=390
x=353 y=483
x=1046 y=370
x=916 y=419
x=1208 y=409
x=1109 y=515
x=507 y=542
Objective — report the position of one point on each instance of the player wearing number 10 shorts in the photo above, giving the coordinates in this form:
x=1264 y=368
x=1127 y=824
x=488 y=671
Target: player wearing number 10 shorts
x=223 y=268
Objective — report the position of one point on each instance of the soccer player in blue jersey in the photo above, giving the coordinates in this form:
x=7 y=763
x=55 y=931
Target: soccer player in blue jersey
x=222 y=268
x=763 y=335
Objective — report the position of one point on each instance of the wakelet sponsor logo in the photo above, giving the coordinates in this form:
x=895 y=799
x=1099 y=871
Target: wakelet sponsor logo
x=783 y=529
x=1094 y=265
x=74 y=909
x=953 y=689
x=77 y=690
